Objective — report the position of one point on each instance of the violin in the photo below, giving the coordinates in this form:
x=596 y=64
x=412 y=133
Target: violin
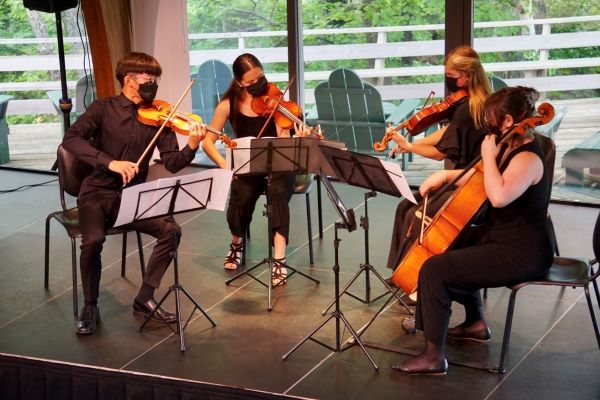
x=457 y=212
x=285 y=113
x=425 y=118
x=159 y=111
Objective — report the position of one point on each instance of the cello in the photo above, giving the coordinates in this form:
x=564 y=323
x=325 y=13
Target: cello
x=457 y=212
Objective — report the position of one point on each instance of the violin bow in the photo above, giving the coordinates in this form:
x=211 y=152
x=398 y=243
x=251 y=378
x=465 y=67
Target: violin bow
x=157 y=134
x=262 y=130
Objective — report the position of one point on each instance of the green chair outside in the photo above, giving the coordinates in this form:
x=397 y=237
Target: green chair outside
x=350 y=111
x=85 y=94
x=4 y=154
x=497 y=83
x=213 y=79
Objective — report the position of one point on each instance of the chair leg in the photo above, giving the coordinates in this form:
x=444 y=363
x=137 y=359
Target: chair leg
x=592 y=314
x=507 y=329
x=319 y=207
x=123 y=254
x=74 y=274
x=309 y=223
x=141 y=252
x=485 y=293
x=47 y=253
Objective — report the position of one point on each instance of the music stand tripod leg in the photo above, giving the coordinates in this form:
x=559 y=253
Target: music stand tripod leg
x=337 y=314
x=177 y=288
x=367 y=267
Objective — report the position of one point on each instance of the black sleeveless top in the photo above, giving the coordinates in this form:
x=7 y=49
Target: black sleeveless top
x=461 y=143
x=245 y=125
x=531 y=207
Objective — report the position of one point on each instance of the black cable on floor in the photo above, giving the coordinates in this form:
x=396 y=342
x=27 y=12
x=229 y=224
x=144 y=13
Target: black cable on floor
x=27 y=186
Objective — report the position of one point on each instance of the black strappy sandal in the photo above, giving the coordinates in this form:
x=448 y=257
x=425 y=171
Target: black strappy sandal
x=279 y=276
x=233 y=259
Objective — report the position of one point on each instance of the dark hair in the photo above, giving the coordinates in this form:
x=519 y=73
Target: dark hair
x=516 y=101
x=137 y=63
x=241 y=65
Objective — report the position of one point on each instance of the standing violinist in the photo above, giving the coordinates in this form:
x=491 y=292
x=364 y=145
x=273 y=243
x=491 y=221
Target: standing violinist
x=119 y=140
x=512 y=245
x=458 y=141
x=248 y=82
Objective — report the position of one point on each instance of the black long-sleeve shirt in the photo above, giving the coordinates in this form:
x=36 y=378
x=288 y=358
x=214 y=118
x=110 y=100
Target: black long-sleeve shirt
x=112 y=125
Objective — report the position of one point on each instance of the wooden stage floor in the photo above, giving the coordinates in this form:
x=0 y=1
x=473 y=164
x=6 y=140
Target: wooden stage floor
x=553 y=353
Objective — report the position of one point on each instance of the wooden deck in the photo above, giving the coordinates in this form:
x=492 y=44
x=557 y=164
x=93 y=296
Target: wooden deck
x=34 y=146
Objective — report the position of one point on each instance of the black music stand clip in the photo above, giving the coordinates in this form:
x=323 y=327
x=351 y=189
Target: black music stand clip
x=268 y=156
x=348 y=222
x=164 y=199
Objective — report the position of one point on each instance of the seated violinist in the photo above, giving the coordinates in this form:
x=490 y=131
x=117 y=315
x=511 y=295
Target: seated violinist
x=493 y=254
x=249 y=82
x=120 y=140
x=458 y=141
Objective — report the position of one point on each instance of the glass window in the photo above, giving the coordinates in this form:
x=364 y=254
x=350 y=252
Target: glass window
x=543 y=45
x=31 y=123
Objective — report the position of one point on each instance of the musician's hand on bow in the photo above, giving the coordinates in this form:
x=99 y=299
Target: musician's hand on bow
x=433 y=181
x=197 y=134
x=126 y=169
x=489 y=149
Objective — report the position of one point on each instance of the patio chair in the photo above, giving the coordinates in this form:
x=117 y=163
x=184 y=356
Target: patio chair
x=85 y=94
x=213 y=79
x=350 y=111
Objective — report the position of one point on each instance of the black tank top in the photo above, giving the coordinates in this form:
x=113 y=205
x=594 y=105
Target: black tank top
x=250 y=126
x=532 y=206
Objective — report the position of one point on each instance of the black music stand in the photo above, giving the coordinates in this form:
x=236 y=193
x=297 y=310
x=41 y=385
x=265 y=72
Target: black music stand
x=290 y=156
x=348 y=222
x=364 y=171
x=169 y=198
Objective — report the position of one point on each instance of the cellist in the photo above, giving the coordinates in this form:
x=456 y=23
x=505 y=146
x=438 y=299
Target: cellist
x=458 y=141
x=512 y=244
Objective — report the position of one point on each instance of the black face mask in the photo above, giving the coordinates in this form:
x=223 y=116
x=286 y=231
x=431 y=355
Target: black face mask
x=147 y=91
x=259 y=87
x=451 y=84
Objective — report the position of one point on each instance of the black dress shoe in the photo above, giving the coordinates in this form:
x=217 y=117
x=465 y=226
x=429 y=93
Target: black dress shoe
x=461 y=333
x=408 y=324
x=430 y=370
x=87 y=322
x=160 y=315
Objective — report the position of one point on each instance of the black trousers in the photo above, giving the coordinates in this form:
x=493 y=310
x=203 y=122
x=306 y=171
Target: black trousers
x=97 y=213
x=245 y=191
x=499 y=257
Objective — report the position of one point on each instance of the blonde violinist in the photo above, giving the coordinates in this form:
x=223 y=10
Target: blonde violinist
x=458 y=142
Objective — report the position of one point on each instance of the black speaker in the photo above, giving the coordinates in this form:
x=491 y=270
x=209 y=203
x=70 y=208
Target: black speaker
x=51 y=6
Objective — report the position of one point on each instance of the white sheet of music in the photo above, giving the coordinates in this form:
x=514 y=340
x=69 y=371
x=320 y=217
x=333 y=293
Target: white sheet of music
x=207 y=189
x=242 y=155
x=397 y=176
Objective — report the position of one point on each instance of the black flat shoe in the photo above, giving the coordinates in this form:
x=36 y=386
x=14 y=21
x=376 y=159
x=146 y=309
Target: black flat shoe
x=430 y=370
x=87 y=322
x=160 y=315
x=461 y=333
x=408 y=324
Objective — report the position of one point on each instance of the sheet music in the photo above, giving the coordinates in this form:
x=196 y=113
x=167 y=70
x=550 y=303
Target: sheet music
x=207 y=189
x=397 y=176
x=289 y=153
x=242 y=158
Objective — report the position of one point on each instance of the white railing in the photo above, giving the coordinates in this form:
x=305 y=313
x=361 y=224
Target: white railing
x=379 y=52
